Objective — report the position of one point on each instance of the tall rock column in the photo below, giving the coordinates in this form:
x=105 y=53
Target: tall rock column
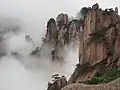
x=51 y=34
x=99 y=43
x=96 y=48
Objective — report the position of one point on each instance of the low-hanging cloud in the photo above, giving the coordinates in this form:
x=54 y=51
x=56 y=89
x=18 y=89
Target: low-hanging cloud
x=21 y=17
x=19 y=71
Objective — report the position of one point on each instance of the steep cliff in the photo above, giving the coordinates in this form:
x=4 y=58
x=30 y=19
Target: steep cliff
x=99 y=47
x=61 y=33
x=96 y=34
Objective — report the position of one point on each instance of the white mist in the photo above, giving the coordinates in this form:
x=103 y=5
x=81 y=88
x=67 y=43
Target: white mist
x=31 y=73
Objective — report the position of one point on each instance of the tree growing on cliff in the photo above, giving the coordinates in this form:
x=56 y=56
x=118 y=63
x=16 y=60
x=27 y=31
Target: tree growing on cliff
x=98 y=36
x=83 y=12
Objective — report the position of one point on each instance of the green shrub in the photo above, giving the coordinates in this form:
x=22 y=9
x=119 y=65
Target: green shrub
x=101 y=78
x=98 y=36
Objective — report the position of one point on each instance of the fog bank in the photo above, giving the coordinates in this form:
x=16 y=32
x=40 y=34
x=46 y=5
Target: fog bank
x=21 y=17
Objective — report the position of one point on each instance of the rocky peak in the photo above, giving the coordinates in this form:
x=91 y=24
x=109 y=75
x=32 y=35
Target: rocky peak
x=58 y=83
x=96 y=35
x=62 y=19
x=51 y=34
x=116 y=10
x=95 y=6
x=74 y=30
x=98 y=42
x=60 y=33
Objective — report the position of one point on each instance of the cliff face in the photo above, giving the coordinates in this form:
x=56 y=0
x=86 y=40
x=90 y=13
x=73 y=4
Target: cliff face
x=96 y=35
x=99 y=46
x=96 y=22
x=61 y=33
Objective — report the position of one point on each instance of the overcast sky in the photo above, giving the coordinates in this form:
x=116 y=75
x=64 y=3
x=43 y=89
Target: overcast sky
x=49 y=8
x=42 y=10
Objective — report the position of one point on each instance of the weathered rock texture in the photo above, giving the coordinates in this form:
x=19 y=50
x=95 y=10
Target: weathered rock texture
x=115 y=85
x=100 y=43
x=96 y=35
x=57 y=84
x=60 y=33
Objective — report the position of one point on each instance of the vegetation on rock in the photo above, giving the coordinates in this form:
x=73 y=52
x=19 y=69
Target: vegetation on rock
x=108 y=76
x=98 y=36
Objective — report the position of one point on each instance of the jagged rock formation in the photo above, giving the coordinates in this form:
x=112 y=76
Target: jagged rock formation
x=60 y=33
x=96 y=35
x=51 y=34
x=95 y=6
x=99 y=47
x=58 y=83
